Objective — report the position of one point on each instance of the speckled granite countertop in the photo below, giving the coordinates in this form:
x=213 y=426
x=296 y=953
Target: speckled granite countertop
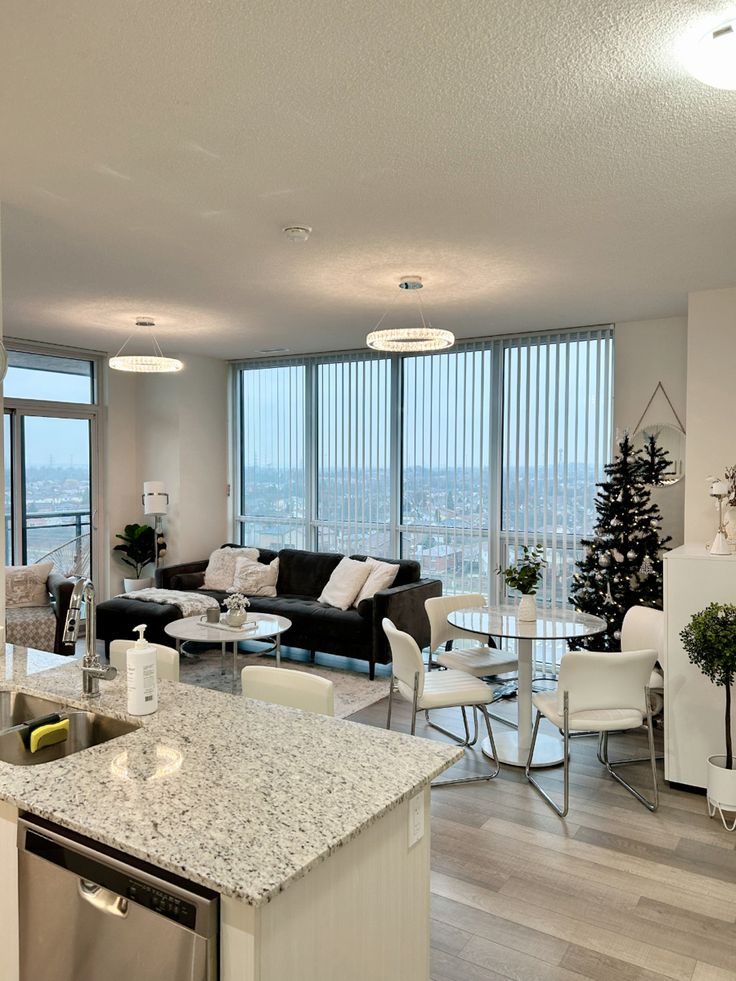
x=235 y=794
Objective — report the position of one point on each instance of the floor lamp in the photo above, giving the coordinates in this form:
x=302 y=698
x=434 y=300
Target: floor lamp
x=156 y=502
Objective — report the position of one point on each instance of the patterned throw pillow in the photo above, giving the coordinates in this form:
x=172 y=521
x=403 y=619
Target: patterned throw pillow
x=25 y=585
x=221 y=566
x=254 y=578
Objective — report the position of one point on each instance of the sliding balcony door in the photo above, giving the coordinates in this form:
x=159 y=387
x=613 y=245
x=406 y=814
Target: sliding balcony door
x=50 y=462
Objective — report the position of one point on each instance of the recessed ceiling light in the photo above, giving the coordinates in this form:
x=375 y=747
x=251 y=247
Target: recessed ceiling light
x=712 y=57
x=297 y=233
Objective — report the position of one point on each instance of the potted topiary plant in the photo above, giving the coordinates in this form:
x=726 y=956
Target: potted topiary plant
x=710 y=642
x=525 y=576
x=137 y=551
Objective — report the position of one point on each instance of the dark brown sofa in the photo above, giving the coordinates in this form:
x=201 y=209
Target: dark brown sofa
x=355 y=633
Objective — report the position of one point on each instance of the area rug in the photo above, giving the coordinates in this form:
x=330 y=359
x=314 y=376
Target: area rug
x=353 y=691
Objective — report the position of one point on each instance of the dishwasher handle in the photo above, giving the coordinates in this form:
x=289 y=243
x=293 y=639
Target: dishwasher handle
x=104 y=900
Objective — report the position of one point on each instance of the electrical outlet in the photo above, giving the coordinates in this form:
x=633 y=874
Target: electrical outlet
x=416 y=818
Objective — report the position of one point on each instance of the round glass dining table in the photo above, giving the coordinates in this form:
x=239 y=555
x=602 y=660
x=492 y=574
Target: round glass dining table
x=560 y=623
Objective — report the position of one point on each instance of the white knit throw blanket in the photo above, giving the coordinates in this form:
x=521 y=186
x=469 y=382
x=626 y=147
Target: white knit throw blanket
x=190 y=604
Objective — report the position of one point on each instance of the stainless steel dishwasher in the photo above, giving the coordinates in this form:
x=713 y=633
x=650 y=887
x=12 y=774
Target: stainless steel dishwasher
x=89 y=913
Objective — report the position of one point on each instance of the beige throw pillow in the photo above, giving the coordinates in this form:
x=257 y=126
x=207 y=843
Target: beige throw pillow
x=254 y=578
x=345 y=583
x=380 y=576
x=25 y=585
x=220 y=571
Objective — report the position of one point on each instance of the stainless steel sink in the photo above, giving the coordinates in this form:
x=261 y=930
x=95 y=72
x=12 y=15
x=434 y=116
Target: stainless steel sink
x=17 y=707
x=85 y=729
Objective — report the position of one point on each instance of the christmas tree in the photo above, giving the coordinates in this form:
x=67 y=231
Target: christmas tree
x=622 y=565
x=655 y=464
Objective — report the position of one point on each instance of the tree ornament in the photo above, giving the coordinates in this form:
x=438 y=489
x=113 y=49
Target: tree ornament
x=608 y=599
x=617 y=634
x=618 y=556
x=646 y=569
x=615 y=522
x=631 y=555
x=604 y=560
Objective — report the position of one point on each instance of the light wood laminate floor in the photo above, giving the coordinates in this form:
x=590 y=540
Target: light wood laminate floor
x=611 y=893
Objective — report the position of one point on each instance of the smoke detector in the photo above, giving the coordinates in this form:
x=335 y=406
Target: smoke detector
x=297 y=233
x=411 y=283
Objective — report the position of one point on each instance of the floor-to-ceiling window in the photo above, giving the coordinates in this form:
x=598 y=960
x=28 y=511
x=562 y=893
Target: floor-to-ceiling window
x=50 y=459
x=455 y=459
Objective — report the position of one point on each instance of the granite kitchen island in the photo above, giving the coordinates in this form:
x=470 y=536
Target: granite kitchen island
x=301 y=823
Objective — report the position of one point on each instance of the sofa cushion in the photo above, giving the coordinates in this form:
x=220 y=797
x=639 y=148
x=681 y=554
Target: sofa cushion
x=220 y=570
x=345 y=583
x=186 y=581
x=409 y=570
x=25 y=585
x=310 y=617
x=381 y=575
x=303 y=573
x=255 y=578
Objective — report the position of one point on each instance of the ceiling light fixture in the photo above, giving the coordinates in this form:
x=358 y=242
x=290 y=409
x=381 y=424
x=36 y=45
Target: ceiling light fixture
x=297 y=233
x=712 y=57
x=407 y=339
x=144 y=363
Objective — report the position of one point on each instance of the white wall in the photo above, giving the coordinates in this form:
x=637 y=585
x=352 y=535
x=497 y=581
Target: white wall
x=649 y=351
x=711 y=444
x=171 y=428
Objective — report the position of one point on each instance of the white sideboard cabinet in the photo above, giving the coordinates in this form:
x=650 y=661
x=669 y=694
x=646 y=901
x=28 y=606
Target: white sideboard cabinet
x=694 y=707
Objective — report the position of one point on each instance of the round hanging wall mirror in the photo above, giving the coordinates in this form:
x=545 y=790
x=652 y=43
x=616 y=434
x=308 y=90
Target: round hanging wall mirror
x=672 y=440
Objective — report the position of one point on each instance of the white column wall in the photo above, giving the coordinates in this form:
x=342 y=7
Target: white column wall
x=646 y=352
x=711 y=442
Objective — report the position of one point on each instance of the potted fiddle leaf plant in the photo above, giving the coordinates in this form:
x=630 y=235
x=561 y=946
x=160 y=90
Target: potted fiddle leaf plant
x=524 y=575
x=138 y=549
x=710 y=643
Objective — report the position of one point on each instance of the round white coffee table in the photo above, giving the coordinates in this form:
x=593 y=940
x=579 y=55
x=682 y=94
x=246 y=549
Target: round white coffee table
x=268 y=626
x=561 y=623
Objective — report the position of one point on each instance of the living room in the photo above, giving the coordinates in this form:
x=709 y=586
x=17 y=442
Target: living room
x=425 y=272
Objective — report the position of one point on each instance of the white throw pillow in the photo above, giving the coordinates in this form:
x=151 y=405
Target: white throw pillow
x=345 y=583
x=380 y=576
x=254 y=578
x=220 y=571
x=25 y=585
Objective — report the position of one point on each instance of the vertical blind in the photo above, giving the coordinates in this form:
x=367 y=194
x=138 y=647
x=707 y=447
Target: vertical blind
x=457 y=458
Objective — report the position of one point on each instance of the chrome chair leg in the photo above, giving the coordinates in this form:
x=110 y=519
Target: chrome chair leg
x=612 y=765
x=390 y=700
x=565 y=807
x=485 y=777
x=453 y=735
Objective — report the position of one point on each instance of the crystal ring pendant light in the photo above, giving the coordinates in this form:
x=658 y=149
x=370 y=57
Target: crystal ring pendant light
x=407 y=339
x=148 y=363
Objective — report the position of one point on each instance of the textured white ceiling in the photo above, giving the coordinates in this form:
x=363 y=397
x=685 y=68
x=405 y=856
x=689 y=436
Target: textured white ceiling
x=540 y=164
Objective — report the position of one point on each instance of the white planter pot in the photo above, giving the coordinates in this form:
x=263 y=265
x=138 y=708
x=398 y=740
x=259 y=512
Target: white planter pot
x=131 y=584
x=721 y=790
x=527 y=608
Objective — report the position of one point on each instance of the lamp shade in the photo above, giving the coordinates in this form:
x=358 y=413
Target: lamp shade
x=155 y=498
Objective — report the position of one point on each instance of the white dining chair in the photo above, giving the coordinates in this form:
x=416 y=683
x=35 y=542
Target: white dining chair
x=480 y=660
x=295 y=689
x=599 y=692
x=643 y=629
x=167 y=659
x=427 y=690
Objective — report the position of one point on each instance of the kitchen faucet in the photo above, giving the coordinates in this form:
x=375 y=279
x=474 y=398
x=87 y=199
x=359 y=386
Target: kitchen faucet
x=92 y=669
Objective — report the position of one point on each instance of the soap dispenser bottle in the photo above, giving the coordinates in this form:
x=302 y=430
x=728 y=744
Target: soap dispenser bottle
x=142 y=676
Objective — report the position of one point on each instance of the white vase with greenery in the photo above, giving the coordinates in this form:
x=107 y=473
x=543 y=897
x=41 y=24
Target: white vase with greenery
x=525 y=576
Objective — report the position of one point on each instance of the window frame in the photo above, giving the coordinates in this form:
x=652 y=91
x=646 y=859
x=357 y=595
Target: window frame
x=18 y=409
